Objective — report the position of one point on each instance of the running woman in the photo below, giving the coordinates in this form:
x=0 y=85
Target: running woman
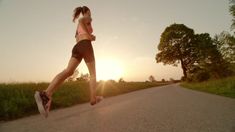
x=82 y=50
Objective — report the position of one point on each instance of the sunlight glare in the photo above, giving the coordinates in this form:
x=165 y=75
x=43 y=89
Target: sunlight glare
x=109 y=69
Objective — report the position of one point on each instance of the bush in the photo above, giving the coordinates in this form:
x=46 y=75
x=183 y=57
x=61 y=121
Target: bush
x=201 y=76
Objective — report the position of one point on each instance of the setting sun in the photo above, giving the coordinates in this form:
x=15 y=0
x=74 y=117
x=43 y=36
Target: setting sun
x=109 y=69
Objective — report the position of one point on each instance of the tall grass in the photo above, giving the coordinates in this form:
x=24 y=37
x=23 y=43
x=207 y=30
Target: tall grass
x=224 y=87
x=17 y=99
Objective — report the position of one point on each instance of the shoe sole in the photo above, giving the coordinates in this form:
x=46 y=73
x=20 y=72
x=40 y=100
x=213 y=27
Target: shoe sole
x=40 y=105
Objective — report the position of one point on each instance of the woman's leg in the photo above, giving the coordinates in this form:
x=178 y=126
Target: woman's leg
x=92 y=71
x=59 y=78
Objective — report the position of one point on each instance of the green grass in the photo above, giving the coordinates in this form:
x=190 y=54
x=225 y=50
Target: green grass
x=224 y=87
x=17 y=99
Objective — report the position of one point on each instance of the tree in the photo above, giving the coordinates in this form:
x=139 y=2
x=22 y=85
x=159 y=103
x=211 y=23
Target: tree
x=72 y=77
x=225 y=42
x=121 y=80
x=198 y=54
x=111 y=81
x=226 y=45
x=176 y=46
x=232 y=12
x=152 y=79
x=83 y=77
x=208 y=61
x=172 y=79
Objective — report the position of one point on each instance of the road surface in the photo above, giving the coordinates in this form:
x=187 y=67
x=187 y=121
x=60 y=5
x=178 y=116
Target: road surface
x=161 y=109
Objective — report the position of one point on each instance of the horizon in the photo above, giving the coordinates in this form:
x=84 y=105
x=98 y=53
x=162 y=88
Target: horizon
x=36 y=44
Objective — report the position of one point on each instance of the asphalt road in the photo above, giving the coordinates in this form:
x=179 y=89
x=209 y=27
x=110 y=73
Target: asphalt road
x=161 y=109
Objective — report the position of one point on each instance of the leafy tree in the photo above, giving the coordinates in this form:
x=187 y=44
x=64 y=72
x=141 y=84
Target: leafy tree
x=121 y=80
x=208 y=61
x=111 y=81
x=176 y=46
x=171 y=79
x=83 y=77
x=226 y=45
x=232 y=12
x=198 y=54
x=152 y=79
x=225 y=41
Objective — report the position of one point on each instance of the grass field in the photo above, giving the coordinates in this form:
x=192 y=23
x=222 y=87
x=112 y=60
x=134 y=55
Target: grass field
x=17 y=99
x=224 y=87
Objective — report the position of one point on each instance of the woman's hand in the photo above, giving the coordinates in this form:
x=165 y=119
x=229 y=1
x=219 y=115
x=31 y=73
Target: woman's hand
x=92 y=37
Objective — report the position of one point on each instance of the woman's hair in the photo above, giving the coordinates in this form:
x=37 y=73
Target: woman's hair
x=78 y=10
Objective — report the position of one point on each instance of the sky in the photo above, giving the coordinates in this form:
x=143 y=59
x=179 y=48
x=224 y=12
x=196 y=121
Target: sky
x=37 y=36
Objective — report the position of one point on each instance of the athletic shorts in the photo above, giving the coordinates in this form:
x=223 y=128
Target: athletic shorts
x=83 y=50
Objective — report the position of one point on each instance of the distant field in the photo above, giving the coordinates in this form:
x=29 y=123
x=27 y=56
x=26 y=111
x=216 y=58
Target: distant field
x=17 y=100
x=224 y=87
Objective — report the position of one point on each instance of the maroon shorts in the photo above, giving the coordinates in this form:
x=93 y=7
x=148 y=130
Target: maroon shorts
x=83 y=50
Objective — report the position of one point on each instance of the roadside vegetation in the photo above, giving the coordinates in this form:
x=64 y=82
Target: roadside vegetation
x=17 y=99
